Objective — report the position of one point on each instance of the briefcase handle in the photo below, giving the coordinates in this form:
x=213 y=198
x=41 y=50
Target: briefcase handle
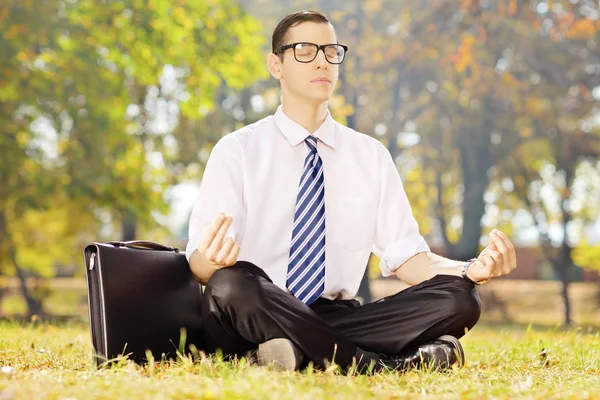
x=146 y=244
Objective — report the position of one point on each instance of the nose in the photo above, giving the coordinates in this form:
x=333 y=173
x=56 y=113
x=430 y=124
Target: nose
x=320 y=60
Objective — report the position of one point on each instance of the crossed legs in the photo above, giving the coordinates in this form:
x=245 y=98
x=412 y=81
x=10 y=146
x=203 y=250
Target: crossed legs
x=242 y=308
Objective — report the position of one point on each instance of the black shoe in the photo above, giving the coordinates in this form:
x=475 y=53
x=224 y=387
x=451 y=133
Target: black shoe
x=280 y=353
x=443 y=353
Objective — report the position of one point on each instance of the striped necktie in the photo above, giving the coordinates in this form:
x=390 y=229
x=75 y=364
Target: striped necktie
x=306 y=265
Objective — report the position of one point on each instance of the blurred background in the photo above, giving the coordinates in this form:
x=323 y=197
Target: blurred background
x=491 y=109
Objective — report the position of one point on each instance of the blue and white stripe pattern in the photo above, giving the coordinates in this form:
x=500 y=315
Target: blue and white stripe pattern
x=306 y=266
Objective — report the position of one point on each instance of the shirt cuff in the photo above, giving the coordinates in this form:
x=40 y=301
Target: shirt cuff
x=399 y=252
x=192 y=245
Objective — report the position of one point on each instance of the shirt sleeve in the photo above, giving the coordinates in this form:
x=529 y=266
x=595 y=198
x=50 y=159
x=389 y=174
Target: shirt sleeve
x=397 y=236
x=221 y=190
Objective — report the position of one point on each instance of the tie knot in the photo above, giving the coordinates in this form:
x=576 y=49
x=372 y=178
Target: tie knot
x=311 y=141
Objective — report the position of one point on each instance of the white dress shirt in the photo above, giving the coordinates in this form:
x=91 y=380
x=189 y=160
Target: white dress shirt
x=253 y=175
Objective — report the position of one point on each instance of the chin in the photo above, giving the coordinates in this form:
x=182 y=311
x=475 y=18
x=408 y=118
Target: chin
x=318 y=98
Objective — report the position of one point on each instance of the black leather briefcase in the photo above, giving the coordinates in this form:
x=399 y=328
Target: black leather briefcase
x=141 y=296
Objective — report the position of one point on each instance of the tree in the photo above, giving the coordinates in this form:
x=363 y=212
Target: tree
x=74 y=73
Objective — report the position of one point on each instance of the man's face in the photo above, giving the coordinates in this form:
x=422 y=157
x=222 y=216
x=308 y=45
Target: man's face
x=311 y=82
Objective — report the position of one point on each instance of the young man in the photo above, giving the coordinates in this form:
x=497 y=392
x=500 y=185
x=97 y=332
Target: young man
x=288 y=212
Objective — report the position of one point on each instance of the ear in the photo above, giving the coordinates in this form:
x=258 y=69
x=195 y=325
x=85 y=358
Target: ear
x=274 y=64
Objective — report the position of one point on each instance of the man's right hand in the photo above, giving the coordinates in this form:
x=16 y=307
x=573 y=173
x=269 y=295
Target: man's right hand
x=216 y=250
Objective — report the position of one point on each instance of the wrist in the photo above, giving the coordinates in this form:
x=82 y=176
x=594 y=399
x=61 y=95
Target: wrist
x=466 y=275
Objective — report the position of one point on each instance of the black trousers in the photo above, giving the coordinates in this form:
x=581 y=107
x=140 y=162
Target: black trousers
x=242 y=308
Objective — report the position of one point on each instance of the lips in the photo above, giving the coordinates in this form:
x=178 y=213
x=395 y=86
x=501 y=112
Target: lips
x=322 y=80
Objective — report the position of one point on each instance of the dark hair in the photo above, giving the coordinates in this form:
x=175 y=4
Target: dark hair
x=292 y=20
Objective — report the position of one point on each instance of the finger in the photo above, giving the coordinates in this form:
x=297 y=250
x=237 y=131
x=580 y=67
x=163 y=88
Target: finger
x=225 y=250
x=485 y=251
x=512 y=255
x=492 y=245
x=502 y=266
x=488 y=262
x=501 y=246
x=501 y=241
x=210 y=233
x=217 y=241
x=508 y=253
x=233 y=255
x=494 y=263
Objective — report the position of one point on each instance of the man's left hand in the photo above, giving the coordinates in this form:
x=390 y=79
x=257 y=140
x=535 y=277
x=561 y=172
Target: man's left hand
x=497 y=259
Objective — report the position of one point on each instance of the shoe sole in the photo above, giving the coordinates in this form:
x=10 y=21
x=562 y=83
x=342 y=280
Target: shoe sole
x=278 y=353
x=460 y=353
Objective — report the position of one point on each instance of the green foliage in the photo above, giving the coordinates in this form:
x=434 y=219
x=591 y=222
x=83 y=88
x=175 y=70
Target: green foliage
x=587 y=255
x=75 y=158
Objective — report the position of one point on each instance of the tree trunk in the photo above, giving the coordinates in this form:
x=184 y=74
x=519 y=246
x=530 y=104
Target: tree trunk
x=128 y=227
x=34 y=306
x=566 y=161
x=396 y=123
x=563 y=269
x=364 y=290
x=475 y=161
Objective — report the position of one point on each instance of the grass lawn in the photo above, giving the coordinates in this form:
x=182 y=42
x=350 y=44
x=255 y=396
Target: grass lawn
x=39 y=360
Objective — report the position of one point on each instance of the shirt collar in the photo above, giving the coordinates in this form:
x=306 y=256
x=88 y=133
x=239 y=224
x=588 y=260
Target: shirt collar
x=296 y=133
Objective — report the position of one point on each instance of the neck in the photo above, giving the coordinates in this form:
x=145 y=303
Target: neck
x=309 y=116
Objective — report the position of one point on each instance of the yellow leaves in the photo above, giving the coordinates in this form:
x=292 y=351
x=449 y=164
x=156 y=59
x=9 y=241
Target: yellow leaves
x=43 y=237
x=65 y=179
x=352 y=24
x=582 y=29
x=14 y=30
x=178 y=13
x=537 y=106
x=567 y=123
x=464 y=57
x=509 y=79
x=525 y=132
x=337 y=15
x=406 y=18
x=181 y=17
x=450 y=87
x=513 y=7
x=23 y=138
x=86 y=22
x=66 y=43
x=373 y=266
x=468 y=40
x=157 y=24
x=533 y=153
x=378 y=57
x=22 y=56
x=482 y=33
x=238 y=58
x=192 y=80
x=340 y=110
x=587 y=255
x=146 y=53
x=430 y=53
x=91 y=41
x=4 y=13
x=372 y=6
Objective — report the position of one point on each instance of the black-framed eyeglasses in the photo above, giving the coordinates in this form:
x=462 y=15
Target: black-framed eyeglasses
x=306 y=52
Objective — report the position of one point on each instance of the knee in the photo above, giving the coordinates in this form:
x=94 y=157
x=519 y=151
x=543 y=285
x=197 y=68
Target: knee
x=231 y=287
x=465 y=305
